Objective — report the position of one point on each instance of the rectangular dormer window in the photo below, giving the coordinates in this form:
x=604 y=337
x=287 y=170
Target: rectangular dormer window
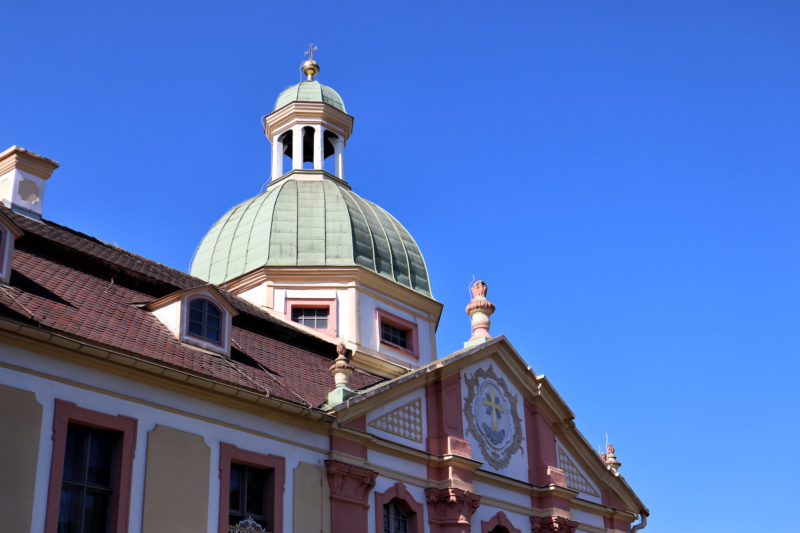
x=319 y=315
x=398 y=333
x=313 y=317
x=394 y=335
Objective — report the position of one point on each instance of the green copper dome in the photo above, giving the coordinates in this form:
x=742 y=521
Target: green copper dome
x=309 y=91
x=309 y=223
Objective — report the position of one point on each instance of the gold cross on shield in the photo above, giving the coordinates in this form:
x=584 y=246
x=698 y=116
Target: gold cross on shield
x=496 y=408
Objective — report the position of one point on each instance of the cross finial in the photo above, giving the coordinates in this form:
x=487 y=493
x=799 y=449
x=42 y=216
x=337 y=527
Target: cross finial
x=311 y=50
x=310 y=67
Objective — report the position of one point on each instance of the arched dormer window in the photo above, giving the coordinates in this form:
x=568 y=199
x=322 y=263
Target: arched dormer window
x=200 y=317
x=205 y=320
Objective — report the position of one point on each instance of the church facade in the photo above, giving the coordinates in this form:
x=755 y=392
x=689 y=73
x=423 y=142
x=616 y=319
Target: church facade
x=289 y=383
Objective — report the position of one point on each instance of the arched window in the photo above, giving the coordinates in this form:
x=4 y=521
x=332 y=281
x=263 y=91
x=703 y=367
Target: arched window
x=395 y=519
x=399 y=511
x=205 y=320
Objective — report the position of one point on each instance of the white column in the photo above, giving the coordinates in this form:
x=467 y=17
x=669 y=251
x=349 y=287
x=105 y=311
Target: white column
x=318 y=144
x=277 y=157
x=297 y=147
x=338 y=158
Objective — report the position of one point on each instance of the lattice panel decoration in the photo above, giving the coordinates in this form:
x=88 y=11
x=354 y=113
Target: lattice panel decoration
x=405 y=421
x=575 y=479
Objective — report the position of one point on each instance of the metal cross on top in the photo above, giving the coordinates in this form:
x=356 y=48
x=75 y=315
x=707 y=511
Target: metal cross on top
x=495 y=407
x=311 y=50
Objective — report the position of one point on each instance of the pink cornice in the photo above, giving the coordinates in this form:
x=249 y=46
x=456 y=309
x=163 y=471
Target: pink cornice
x=553 y=524
x=414 y=509
x=500 y=519
x=450 y=509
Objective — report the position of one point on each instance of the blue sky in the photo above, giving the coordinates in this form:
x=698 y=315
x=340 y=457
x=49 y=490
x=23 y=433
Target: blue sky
x=624 y=175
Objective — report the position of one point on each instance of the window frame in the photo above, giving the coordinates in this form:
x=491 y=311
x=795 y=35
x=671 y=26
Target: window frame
x=225 y=324
x=314 y=303
x=229 y=453
x=410 y=328
x=399 y=493
x=68 y=412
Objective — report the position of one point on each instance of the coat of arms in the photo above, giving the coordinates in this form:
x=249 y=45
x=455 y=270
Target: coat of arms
x=492 y=418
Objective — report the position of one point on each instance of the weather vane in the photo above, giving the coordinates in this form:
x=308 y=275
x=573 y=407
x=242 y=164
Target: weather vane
x=310 y=67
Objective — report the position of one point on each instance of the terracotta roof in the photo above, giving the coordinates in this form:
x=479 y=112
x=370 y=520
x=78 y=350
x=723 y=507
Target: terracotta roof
x=92 y=291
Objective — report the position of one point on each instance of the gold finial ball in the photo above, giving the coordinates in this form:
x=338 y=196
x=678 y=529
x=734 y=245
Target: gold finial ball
x=310 y=68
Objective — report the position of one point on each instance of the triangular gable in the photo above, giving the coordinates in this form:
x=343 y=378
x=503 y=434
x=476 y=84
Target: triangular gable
x=209 y=289
x=385 y=398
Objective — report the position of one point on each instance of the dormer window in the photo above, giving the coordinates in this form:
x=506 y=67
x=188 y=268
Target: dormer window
x=319 y=315
x=205 y=320
x=8 y=233
x=200 y=317
x=397 y=333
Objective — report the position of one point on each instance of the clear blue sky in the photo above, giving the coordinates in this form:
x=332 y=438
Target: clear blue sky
x=624 y=175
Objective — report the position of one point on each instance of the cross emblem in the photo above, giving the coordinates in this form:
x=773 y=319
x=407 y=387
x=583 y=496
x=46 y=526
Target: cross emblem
x=495 y=408
x=310 y=51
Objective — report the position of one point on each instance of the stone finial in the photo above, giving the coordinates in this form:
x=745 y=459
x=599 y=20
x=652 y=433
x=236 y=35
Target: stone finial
x=341 y=368
x=479 y=310
x=610 y=458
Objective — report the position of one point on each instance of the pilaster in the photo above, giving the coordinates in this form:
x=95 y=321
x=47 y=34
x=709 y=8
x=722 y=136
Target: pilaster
x=350 y=486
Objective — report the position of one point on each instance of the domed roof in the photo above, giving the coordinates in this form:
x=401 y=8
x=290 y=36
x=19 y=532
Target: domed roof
x=309 y=91
x=309 y=223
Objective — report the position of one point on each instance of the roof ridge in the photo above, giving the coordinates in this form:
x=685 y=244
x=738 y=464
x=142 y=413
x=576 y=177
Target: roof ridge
x=24 y=221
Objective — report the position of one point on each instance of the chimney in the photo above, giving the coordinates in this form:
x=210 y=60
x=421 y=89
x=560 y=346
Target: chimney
x=23 y=175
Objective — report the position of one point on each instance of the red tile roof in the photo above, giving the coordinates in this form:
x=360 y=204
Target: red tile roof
x=92 y=291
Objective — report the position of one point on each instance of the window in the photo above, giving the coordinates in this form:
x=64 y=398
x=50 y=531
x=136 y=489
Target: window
x=395 y=520
x=394 y=335
x=399 y=511
x=248 y=497
x=499 y=523
x=205 y=320
x=87 y=487
x=90 y=475
x=397 y=333
x=251 y=491
x=313 y=317
x=315 y=314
